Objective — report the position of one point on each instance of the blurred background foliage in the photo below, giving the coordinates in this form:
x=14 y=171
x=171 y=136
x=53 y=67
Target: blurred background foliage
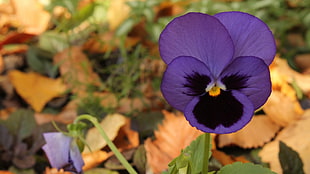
x=120 y=39
x=143 y=22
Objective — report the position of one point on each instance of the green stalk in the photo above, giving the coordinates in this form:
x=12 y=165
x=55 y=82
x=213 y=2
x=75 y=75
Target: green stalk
x=114 y=149
x=206 y=154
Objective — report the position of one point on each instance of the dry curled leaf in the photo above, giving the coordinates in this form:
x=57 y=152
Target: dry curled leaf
x=282 y=106
x=296 y=136
x=111 y=125
x=118 y=11
x=93 y=159
x=31 y=15
x=76 y=69
x=302 y=80
x=282 y=109
x=225 y=159
x=66 y=116
x=127 y=138
x=5 y=172
x=249 y=137
x=55 y=171
x=36 y=89
x=173 y=135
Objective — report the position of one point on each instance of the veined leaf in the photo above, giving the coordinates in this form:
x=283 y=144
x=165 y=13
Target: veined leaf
x=191 y=160
x=244 y=168
x=290 y=160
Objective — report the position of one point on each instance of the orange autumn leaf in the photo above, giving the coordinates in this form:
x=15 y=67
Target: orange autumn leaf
x=249 y=137
x=76 y=69
x=31 y=15
x=66 y=116
x=93 y=159
x=225 y=159
x=5 y=172
x=118 y=11
x=296 y=136
x=173 y=135
x=55 y=171
x=36 y=89
x=301 y=80
x=111 y=124
x=282 y=106
x=282 y=109
x=127 y=138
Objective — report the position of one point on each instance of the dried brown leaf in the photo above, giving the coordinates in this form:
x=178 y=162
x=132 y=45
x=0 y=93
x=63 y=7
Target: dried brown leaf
x=93 y=159
x=302 y=80
x=111 y=125
x=249 y=137
x=5 y=172
x=282 y=109
x=282 y=106
x=66 y=116
x=225 y=159
x=296 y=136
x=173 y=135
x=55 y=171
x=118 y=11
x=127 y=138
x=36 y=89
x=76 y=69
x=32 y=16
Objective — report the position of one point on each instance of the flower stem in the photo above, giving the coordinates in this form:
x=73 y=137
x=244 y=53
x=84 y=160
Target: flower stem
x=114 y=149
x=206 y=153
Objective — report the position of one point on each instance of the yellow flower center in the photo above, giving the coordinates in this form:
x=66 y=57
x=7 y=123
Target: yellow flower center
x=215 y=91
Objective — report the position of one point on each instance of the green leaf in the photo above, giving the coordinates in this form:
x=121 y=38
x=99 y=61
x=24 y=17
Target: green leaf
x=191 y=160
x=139 y=159
x=77 y=18
x=53 y=42
x=100 y=171
x=244 y=168
x=21 y=123
x=126 y=26
x=290 y=160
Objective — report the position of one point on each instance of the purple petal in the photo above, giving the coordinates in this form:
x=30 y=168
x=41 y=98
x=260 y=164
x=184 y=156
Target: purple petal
x=250 y=76
x=250 y=35
x=57 y=148
x=197 y=35
x=226 y=113
x=76 y=157
x=62 y=151
x=184 y=78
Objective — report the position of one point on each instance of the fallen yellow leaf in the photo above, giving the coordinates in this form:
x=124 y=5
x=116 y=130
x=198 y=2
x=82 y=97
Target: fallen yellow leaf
x=173 y=135
x=296 y=136
x=127 y=138
x=93 y=159
x=32 y=16
x=249 y=137
x=36 y=89
x=302 y=80
x=76 y=69
x=111 y=125
x=282 y=109
x=282 y=106
x=118 y=11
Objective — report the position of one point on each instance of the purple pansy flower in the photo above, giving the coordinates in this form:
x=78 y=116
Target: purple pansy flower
x=63 y=152
x=217 y=71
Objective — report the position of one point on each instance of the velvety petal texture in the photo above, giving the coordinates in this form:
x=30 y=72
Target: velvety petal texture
x=184 y=78
x=217 y=68
x=226 y=113
x=250 y=76
x=250 y=35
x=62 y=152
x=197 y=35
